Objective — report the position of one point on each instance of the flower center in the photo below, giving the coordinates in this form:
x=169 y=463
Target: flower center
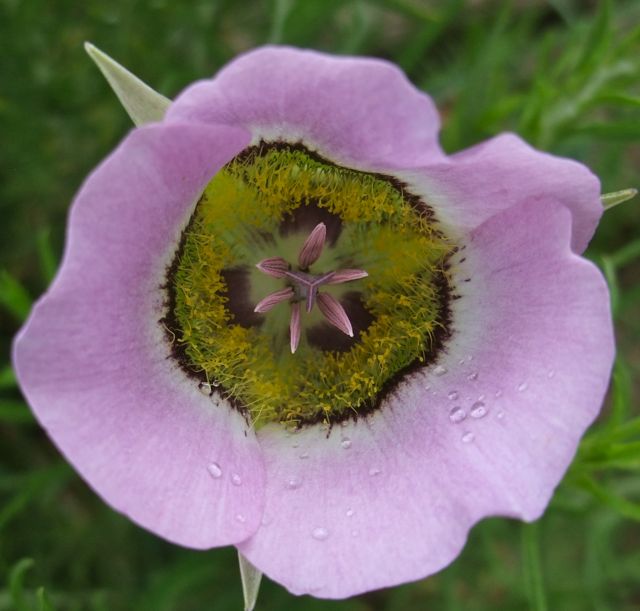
x=273 y=263
x=305 y=287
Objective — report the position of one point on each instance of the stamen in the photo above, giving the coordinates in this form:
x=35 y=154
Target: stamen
x=312 y=247
x=334 y=313
x=273 y=266
x=273 y=299
x=347 y=275
x=294 y=326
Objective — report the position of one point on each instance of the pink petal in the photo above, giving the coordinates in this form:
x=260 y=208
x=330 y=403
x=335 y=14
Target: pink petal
x=475 y=184
x=313 y=245
x=533 y=333
x=274 y=266
x=294 y=327
x=333 y=311
x=274 y=299
x=347 y=275
x=361 y=112
x=94 y=361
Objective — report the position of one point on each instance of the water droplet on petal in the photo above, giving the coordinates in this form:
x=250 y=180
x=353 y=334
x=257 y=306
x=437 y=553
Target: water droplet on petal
x=349 y=513
x=551 y=373
x=304 y=455
x=345 y=443
x=215 y=383
x=500 y=415
x=240 y=518
x=374 y=471
x=478 y=410
x=427 y=386
x=468 y=437
x=266 y=520
x=294 y=482
x=215 y=470
x=439 y=370
x=522 y=387
x=457 y=414
x=453 y=395
x=498 y=393
x=236 y=480
x=320 y=533
x=205 y=388
x=473 y=376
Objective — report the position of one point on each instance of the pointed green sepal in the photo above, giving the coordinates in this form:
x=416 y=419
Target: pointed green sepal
x=609 y=200
x=251 y=578
x=143 y=104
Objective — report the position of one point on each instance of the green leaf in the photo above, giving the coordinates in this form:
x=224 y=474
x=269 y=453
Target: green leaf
x=15 y=412
x=44 y=603
x=48 y=260
x=16 y=584
x=532 y=566
x=627 y=254
x=624 y=507
x=143 y=104
x=7 y=378
x=14 y=297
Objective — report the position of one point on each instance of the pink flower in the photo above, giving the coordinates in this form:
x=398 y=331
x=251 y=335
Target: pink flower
x=482 y=341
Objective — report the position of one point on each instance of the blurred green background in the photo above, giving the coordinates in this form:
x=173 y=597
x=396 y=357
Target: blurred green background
x=564 y=74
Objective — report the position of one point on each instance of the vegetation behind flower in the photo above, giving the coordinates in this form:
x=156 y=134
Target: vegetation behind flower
x=564 y=78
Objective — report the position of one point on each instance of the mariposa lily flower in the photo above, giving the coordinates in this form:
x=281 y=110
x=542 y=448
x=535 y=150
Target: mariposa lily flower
x=287 y=321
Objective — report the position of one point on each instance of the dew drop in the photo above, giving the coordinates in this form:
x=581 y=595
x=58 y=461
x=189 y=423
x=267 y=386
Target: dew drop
x=453 y=395
x=457 y=414
x=215 y=470
x=240 y=518
x=320 y=533
x=304 y=455
x=551 y=373
x=478 y=410
x=374 y=471
x=266 y=520
x=522 y=387
x=205 y=388
x=473 y=376
x=349 y=513
x=468 y=437
x=500 y=415
x=236 y=480
x=498 y=393
x=345 y=443
x=439 y=370
x=215 y=383
x=427 y=386
x=293 y=483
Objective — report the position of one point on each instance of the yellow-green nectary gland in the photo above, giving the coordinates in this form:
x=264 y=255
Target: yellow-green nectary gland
x=238 y=223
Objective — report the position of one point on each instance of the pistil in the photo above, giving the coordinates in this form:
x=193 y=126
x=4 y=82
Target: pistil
x=304 y=286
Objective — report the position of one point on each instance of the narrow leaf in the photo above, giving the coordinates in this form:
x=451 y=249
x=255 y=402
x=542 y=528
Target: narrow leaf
x=143 y=104
x=533 y=567
x=251 y=578
x=609 y=200
x=13 y=296
x=16 y=584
